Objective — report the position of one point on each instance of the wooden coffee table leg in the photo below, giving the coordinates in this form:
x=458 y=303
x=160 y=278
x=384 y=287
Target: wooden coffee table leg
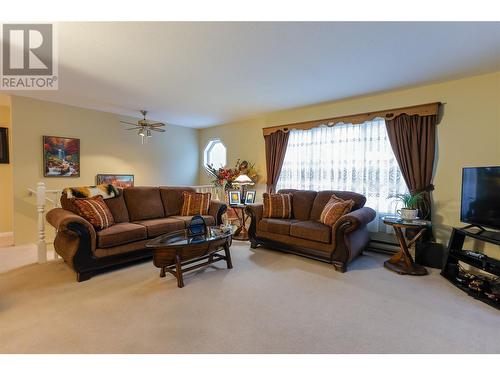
x=162 y=272
x=227 y=252
x=178 y=272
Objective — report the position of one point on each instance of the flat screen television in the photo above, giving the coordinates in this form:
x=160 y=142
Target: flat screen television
x=481 y=196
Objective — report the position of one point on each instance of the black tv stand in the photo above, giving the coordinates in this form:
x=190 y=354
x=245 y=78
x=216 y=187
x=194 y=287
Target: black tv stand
x=456 y=254
x=481 y=229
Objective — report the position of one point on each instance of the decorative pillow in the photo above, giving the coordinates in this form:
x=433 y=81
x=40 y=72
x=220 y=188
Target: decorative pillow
x=106 y=191
x=95 y=211
x=278 y=206
x=334 y=209
x=195 y=203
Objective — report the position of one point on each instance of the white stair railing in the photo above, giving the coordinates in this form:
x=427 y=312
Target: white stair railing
x=43 y=195
x=216 y=193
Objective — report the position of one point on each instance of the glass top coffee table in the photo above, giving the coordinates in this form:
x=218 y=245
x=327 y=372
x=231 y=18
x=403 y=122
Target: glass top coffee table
x=179 y=252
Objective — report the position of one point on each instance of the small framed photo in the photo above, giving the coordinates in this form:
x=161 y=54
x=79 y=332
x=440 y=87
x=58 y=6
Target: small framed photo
x=234 y=197
x=117 y=180
x=250 y=196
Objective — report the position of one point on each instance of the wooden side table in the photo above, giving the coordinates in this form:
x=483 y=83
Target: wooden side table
x=241 y=232
x=402 y=262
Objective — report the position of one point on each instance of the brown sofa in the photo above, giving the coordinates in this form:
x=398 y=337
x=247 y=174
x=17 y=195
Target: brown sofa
x=140 y=213
x=305 y=235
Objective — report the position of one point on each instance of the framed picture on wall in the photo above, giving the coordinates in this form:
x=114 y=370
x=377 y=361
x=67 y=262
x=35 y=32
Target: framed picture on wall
x=117 y=180
x=4 y=146
x=250 y=196
x=61 y=156
x=234 y=197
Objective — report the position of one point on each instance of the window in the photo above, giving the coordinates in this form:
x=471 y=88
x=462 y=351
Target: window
x=215 y=154
x=345 y=157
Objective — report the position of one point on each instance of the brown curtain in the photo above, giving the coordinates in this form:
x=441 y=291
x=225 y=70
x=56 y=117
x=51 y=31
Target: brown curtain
x=276 y=144
x=413 y=140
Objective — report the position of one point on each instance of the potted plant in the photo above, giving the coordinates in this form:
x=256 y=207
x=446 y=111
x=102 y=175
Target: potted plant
x=410 y=205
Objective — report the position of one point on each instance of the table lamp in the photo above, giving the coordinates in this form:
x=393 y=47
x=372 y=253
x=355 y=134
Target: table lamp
x=242 y=180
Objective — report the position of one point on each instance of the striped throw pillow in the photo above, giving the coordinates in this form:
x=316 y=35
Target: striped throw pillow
x=334 y=209
x=278 y=206
x=95 y=211
x=195 y=203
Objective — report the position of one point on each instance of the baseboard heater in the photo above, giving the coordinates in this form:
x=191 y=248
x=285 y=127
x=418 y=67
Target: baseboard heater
x=385 y=243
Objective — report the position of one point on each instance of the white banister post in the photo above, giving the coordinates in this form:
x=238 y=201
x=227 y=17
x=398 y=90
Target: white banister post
x=56 y=204
x=40 y=207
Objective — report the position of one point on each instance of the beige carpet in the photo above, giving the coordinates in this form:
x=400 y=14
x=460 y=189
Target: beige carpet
x=269 y=303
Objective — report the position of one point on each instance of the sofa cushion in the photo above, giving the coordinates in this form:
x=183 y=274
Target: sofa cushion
x=280 y=226
x=118 y=208
x=172 y=199
x=278 y=205
x=334 y=209
x=120 y=234
x=122 y=249
x=315 y=248
x=324 y=196
x=311 y=230
x=209 y=220
x=95 y=211
x=195 y=203
x=143 y=203
x=156 y=227
x=302 y=202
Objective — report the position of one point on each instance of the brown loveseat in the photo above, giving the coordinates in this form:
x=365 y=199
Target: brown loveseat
x=305 y=235
x=140 y=213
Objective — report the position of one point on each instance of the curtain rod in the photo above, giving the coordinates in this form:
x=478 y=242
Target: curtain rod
x=359 y=118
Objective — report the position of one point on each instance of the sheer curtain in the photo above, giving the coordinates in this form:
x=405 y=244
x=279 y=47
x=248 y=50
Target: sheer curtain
x=346 y=157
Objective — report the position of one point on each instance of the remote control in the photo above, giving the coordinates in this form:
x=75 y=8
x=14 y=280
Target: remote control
x=474 y=254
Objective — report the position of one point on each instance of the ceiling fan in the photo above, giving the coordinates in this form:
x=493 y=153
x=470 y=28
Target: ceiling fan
x=145 y=127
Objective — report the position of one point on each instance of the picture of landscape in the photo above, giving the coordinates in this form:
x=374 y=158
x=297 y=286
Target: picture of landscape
x=61 y=157
x=117 y=180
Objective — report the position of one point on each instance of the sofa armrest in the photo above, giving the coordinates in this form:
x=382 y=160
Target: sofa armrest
x=67 y=239
x=217 y=209
x=355 y=219
x=350 y=235
x=255 y=211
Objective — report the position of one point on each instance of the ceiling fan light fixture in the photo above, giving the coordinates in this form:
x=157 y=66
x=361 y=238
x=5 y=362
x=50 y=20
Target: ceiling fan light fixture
x=145 y=127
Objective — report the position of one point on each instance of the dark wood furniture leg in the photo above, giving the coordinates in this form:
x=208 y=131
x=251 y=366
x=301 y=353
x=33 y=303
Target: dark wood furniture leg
x=162 y=272
x=227 y=253
x=241 y=232
x=402 y=262
x=178 y=272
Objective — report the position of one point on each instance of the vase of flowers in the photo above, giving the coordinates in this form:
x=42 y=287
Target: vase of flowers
x=223 y=178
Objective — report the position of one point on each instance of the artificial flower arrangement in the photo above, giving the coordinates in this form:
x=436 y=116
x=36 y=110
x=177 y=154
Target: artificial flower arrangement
x=224 y=177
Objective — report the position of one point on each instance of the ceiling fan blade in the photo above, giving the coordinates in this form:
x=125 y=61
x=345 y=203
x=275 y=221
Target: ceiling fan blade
x=158 y=130
x=157 y=124
x=137 y=127
x=129 y=123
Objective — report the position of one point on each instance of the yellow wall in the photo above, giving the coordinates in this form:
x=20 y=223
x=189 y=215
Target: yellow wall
x=6 y=197
x=468 y=135
x=170 y=158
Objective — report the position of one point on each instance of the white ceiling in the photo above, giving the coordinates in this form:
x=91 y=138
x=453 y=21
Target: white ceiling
x=204 y=74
